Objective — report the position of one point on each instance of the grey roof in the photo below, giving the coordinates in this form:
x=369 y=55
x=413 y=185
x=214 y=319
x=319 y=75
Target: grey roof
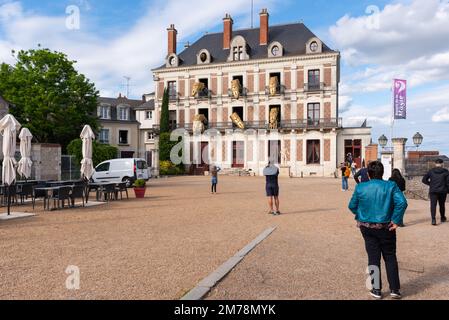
x=293 y=37
x=149 y=105
x=120 y=100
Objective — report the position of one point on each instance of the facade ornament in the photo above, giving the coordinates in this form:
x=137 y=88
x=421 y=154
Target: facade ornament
x=274 y=84
x=236 y=88
x=197 y=88
x=274 y=114
x=237 y=121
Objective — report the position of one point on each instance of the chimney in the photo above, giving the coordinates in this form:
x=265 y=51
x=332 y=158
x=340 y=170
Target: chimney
x=172 y=39
x=264 y=27
x=227 y=31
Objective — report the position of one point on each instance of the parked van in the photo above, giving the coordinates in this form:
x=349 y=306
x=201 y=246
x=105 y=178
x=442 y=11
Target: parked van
x=121 y=170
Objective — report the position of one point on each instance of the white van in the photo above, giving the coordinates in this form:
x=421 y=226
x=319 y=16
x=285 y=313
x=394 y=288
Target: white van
x=121 y=170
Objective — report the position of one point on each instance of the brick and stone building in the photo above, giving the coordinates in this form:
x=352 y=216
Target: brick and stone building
x=283 y=83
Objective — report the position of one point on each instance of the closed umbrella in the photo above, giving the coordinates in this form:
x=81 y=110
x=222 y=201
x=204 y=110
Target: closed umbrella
x=8 y=128
x=25 y=162
x=87 y=165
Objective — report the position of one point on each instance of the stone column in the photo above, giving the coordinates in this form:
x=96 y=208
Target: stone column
x=387 y=161
x=399 y=154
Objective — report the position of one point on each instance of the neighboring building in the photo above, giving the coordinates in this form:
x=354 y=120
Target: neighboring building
x=118 y=125
x=289 y=85
x=145 y=115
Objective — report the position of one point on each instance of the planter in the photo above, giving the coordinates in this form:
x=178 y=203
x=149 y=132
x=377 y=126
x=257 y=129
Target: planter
x=140 y=192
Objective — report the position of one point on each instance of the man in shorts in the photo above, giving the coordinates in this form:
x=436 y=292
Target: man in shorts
x=271 y=174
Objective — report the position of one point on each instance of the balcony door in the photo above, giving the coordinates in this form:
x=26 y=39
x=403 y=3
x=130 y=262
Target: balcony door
x=313 y=114
x=238 y=154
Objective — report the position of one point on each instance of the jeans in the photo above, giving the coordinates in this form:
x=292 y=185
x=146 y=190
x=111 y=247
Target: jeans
x=382 y=243
x=344 y=183
x=440 y=199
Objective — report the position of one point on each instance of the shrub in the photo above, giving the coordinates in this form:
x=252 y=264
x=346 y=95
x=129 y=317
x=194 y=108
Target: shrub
x=140 y=183
x=169 y=169
x=100 y=152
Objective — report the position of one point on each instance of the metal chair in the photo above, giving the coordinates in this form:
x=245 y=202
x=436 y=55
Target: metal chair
x=120 y=188
x=26 y=190
x=109 y=192
x=78 y=191
x=62 y=195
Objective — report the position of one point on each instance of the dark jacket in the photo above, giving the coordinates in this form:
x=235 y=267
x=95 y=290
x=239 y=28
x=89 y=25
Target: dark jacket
x=363 y=174
x=400 y=182
x=378 y=201
x=438 y=180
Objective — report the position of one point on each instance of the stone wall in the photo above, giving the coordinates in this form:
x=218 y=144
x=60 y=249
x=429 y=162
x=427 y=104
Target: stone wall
x=46 y=162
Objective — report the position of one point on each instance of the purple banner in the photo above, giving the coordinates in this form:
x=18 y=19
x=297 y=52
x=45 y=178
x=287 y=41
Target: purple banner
x=400 y=99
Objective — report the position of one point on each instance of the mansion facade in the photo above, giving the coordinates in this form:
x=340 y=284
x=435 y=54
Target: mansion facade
x=270 y=93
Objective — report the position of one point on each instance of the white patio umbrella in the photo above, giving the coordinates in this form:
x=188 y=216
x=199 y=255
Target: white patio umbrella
x=25 y=162
x=87 y=165
x=8 y=128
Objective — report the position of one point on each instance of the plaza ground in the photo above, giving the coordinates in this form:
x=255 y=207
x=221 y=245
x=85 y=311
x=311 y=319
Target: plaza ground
x=162 y=246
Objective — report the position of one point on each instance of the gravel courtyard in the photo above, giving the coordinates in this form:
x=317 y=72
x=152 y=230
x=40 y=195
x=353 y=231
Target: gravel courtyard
x=162 y=246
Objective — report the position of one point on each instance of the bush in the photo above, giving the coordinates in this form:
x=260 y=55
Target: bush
x=169 y=169
x=100 y=152
x=165 y=146
x=140 y=183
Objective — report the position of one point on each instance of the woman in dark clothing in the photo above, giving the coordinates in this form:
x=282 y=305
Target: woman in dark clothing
x=397 y=177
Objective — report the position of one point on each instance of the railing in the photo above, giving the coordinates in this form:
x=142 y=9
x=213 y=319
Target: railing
x=326 y=123
x=280 y=90
x=314 y=87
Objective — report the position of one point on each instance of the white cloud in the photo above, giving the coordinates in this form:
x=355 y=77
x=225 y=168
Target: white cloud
x=132 y=53
x=442 y=115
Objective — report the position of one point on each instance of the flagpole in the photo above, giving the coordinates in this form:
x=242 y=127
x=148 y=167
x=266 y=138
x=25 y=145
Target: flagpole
x=392 y=115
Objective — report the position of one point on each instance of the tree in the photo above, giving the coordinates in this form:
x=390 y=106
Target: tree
x=165 y=113
x=50 y=97
x=100 y=152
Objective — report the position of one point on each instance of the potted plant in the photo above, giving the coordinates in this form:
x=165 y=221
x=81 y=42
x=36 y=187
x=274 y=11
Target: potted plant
x=140 y=188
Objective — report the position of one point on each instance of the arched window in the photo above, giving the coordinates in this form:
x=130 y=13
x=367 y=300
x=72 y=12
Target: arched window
x=239 y=49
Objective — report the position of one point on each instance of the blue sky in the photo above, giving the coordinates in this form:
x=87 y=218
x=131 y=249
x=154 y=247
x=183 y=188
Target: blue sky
x=379 y=40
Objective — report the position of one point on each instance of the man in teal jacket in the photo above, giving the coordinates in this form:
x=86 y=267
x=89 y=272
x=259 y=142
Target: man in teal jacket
x=379 y=208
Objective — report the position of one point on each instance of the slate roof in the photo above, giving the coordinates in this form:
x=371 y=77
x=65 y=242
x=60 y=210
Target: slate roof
x=149 y=105
x=120 y=100
x=293 y=37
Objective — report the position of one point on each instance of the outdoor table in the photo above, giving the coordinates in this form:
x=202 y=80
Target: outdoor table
x=61 y=183
x=49 y=192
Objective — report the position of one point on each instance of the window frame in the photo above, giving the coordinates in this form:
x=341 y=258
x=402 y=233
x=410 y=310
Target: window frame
x=101 y=136
x=313 y=121
x=312 y=144
x=120 y=136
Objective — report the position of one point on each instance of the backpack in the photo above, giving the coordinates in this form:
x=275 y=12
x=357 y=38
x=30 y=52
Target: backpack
x=348 y=172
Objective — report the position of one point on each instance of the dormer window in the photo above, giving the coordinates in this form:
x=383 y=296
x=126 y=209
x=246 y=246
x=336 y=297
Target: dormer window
x=275 y=50
x=239 y=49
x=172 y=61
x=314 y=45
x=104 y=112
x=203 y=57
x=123 y=113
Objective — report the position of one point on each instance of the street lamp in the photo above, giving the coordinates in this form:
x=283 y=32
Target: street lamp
x=417 y=140
x=383 y=141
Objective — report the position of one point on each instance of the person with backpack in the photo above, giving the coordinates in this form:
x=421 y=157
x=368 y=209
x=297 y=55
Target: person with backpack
x=438 y=181
x=362 y=175
x=345 y=174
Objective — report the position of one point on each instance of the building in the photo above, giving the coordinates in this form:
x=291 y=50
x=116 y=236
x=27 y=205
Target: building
x=119 y=126
x=145 y=115
x=279 y=83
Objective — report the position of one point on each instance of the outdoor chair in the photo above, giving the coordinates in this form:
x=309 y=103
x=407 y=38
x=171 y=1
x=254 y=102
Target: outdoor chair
x=78 y=191
x=109 y=192
x=120 y=188
x=62 y=195
x=26 y=190
x=13 y=194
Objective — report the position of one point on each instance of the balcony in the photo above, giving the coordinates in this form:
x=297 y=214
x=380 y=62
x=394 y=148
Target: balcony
x=204 y=94
x=314 y=87
x=280 y=90
x=303 y=124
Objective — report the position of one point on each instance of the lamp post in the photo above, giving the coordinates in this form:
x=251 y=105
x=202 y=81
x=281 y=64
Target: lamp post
x=383 y=141
x=417 y=140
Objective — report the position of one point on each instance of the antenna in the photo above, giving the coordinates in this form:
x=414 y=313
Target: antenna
x=252 y=14
x=127 y=85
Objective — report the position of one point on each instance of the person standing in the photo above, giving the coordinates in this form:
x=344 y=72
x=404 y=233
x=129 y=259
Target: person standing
x=362 y=175
x=397 y=178
x=379 y=207
x=271 y=173
x=214 y=174
x=345 y=174
x=438 y=181
x=354 y=168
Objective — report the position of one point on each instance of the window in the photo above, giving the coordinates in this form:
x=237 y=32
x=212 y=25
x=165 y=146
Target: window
x=104 y=136
x=240 y=79
x=313 y=151
x=123 y=113
x=314 y=79
x=123 y=137
x=275 y=51
x=172 y=120
x=103 y=167
x=172 y=90
x=205 y=91
x=313 y=114
x=104 y=112
x=237 y=53
x=141 y=165
x=278 y=76
x=150 y=136
x=149 y=115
